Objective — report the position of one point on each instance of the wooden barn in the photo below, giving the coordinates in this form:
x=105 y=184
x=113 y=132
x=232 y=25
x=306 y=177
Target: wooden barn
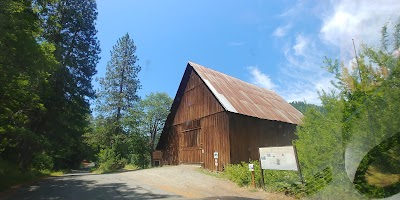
x=214 y=112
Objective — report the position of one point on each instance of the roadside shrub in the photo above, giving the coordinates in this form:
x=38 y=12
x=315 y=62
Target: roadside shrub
x=42 y=161
x=141 y=160
x=240 y=174
x=279 y=180
x=275 y=180
x=110 y=161
x=11 y=174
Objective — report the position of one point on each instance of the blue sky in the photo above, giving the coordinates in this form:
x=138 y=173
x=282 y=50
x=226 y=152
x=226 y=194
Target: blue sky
x=279 y=45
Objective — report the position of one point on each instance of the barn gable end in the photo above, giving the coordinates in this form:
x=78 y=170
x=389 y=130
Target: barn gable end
x=196 y=127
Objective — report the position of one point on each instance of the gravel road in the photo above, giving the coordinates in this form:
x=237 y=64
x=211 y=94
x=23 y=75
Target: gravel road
x=170 y=182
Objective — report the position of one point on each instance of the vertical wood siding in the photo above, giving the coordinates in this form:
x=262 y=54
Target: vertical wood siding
x=199 y=128
x=171 y=148
x=196 y=102
x=247 y=134
x=215 y=129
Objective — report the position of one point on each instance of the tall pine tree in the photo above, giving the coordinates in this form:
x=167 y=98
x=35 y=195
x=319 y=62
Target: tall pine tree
x=111 y=135
x=118 y=92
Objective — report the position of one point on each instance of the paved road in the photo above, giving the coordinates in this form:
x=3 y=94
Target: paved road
x=178 y=182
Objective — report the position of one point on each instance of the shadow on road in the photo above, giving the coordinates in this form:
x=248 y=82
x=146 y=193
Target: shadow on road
x=84 y=172
x=71 y=188
x=229 y=198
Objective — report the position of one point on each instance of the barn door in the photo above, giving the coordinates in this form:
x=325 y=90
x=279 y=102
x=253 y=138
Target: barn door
x=191 y=150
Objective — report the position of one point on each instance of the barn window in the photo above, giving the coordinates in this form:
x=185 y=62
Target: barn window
x=194 y=124
x=191 y=133
x=192 y=138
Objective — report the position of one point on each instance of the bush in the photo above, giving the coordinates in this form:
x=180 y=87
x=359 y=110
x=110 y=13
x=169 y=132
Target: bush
x=281 y=181
x=277 y=181
x=110 y=160
x=140 y=160
x=238 y=173
x=42 y=161
x=10 y=174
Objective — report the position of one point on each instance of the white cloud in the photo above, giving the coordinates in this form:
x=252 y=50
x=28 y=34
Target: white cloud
x=359 y=20
x=260 y=79
x=301 y=44
x=281 y=31
x=301 y=73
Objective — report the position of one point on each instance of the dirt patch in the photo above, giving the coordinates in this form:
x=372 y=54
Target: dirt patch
x=189 y=182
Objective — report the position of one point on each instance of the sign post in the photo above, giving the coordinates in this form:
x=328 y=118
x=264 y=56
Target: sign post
x=251 y=168
x=216 y=160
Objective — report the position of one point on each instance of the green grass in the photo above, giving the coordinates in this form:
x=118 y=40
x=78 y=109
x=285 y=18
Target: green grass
x=57 y=173
x=127 y=167
x=130 y=167
x=97 y=171
x=209 y=173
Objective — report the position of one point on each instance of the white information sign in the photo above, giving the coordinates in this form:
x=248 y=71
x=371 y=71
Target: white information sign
x=278 y=158
x=215 y=154
x=251 y=167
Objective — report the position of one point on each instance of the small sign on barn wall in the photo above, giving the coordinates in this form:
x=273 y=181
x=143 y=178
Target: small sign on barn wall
x=278 y=158
x=215 y=154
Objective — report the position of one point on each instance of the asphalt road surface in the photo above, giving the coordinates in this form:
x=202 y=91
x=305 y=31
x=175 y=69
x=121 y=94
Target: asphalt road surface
x=173 y=182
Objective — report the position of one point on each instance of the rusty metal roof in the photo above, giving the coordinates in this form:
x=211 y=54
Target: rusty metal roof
x=244 y=98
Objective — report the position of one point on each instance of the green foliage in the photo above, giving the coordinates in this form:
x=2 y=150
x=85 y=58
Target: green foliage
x=151 y=114
x=148 y=119
x=42 y=161
x=114 y=133
x=70 y=26
x=275 y=180
x=110 y=160
x=24 y=68
x=139 y=151
x=11 y=174
x=127 y=125
x=45 y=81
x=357 y=117
x=238 y=173
x=320 y=138
x=118 y=91
x=281 y=181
